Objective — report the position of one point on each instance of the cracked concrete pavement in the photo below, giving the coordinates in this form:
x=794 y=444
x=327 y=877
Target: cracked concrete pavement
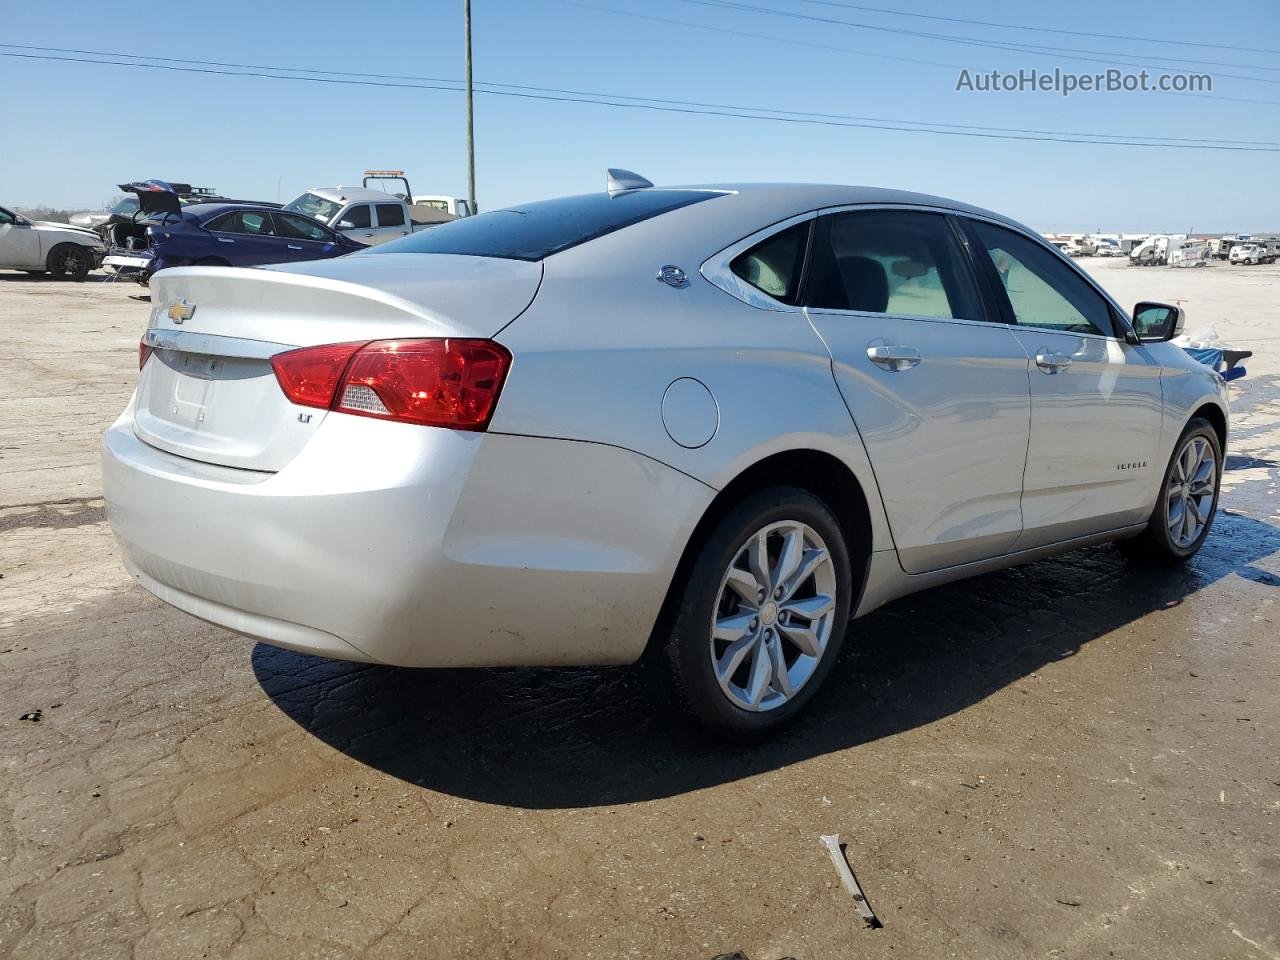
x=1073 y=759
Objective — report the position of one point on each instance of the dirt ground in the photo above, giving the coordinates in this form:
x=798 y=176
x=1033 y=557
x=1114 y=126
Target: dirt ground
x=1074 y=759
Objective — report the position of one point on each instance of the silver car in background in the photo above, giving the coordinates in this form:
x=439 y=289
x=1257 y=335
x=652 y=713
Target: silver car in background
x=702 y=427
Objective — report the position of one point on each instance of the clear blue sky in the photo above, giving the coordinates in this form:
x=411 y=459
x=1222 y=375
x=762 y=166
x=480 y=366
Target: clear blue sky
x=72 y=130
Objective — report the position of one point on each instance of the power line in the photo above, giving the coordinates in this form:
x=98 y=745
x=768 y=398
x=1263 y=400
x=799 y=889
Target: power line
x=738 y=113
x=766 y=111
x=1071 y=53
x=1018 y=26
x=668 y=21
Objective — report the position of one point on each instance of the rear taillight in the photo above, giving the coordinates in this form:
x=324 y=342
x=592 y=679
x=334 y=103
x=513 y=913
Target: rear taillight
x=443 y=383
x=310 y=376
x=144 y=351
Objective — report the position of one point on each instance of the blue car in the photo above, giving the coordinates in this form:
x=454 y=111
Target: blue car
x=166 y=233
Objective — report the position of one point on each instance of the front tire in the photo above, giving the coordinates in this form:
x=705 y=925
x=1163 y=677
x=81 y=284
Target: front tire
x=1188 y=500
x=69 y=261
x=758 y=624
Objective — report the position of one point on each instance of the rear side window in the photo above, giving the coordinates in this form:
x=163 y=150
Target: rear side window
x=891 y=261
x=358 y=216
x=390 y=215
x=774 y=265
x=533 y=231
x=253 y=222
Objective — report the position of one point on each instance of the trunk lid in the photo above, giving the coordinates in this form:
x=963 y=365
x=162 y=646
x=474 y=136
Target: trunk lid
x=208 y=392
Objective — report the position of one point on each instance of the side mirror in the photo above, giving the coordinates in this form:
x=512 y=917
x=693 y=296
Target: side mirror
x=1157 y=322
x=346 y=225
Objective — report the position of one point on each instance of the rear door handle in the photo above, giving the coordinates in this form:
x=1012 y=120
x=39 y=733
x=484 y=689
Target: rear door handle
x=292 y=247
x=1052 y=362
x=894 y=357
x=225 y=240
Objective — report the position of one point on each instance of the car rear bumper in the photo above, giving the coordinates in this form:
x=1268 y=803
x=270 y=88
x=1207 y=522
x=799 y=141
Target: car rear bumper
x=412 y=546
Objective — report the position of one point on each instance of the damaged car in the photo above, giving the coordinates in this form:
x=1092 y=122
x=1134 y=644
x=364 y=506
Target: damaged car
x=227 y=233
x=43 y=247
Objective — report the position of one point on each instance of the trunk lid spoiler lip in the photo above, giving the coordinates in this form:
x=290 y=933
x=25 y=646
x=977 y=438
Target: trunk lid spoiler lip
x=173 y=281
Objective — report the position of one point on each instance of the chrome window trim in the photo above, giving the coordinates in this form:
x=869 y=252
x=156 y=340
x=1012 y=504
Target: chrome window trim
x=1126 y=320
x=717 y=271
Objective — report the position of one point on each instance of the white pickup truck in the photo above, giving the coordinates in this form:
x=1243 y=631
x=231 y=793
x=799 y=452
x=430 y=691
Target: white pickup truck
x=38 y=246
x=374 y=216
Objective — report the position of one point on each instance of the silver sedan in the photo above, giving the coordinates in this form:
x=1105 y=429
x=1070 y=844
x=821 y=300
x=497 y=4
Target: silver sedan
x=698 y=427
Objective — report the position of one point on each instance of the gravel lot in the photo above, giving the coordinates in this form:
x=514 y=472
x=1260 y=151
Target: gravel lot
x=1071 y=759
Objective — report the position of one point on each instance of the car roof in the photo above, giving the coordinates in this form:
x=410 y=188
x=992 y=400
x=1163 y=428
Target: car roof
x=205 y=210
x=341 y=194
x=812 y=196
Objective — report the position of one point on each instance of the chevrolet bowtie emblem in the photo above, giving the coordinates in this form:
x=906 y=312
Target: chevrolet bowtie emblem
x=180 y=310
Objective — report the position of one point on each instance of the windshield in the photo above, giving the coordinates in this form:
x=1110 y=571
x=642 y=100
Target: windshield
x=533 y=231
x=126 y=207
x=314 y=206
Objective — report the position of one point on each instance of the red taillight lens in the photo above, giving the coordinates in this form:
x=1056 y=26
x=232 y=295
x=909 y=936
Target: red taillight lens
x=441 y=383
x=144 y=351
x=310 y=376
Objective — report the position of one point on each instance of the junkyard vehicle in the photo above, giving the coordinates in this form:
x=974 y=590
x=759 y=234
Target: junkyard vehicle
x=455 y=207
x=225 y=235
x=1249 y=253
x=369 y=217
x=698 y=427
x=38 y=246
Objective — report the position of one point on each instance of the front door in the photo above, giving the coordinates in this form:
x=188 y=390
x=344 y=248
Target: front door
x=304 y=238
x=938 y=393
x=1093 y=461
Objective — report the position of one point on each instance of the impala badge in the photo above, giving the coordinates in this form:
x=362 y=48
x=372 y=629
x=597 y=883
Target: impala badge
x=180 y=310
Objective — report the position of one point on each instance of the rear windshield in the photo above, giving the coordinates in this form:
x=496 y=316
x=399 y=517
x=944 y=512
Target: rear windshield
x=533 y=231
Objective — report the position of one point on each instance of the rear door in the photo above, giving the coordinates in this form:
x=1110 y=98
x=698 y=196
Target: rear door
x=1093 y=459
x=19 y=244
x=938 y=392
x=248 y=238
x=304 y=239
x=392 y=224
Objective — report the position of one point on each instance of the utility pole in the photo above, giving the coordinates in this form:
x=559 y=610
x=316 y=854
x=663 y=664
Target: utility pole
x=471 y=120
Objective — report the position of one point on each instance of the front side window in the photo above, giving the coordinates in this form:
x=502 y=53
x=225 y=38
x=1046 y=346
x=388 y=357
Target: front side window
x=891 y=261
x=299 y=228
x=5 y=216
x=390 y=215
x=773 y=266
x=1042 y=290
x=357 y=216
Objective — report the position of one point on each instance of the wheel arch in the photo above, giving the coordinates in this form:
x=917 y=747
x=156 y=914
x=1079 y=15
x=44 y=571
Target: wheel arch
x=1217 y=417
x=820 y=473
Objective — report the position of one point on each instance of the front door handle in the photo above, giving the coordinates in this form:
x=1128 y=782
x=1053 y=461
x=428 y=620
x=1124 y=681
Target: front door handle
x=225 y=240
x=893 y=357
x=292 y=247
x=1052 y=362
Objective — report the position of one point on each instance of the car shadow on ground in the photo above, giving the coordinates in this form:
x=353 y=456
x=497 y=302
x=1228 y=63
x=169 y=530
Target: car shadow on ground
x=15 y=277
x=581 y=737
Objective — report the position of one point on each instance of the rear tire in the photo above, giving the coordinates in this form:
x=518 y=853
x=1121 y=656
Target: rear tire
x=211 y=262
x=69 y=261
x=1188 y=500
x=774 y=577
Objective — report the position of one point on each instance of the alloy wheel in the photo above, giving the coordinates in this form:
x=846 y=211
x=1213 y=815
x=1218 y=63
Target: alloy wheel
x=1189 y=497
x=773 y=617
